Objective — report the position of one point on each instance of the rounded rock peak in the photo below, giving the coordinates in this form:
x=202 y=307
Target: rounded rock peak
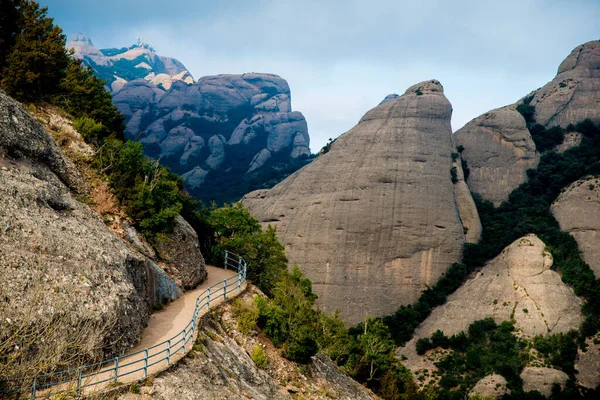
x=81 y=37
x=432 y=86
x=585 y=56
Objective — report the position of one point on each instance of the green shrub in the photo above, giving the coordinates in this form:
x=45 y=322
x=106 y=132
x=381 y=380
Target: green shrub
x=258 y=356
x=247 y=315
x=89 y=129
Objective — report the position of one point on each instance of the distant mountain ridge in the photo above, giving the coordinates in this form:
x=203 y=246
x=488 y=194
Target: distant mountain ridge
x=225 y=135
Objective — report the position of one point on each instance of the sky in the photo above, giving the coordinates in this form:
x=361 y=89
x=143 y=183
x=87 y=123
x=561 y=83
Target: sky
x=342 y=57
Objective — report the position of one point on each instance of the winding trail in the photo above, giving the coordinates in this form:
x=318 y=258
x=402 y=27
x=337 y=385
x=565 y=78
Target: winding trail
x=151 y=355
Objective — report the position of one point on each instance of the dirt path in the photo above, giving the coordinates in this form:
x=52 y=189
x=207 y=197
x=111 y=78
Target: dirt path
x=171 y=320
x=153 y=355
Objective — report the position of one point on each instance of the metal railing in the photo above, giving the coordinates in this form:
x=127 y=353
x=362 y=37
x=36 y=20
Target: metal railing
x=148 y=360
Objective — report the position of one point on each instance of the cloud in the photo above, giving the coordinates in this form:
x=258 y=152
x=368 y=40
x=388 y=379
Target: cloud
x=341 y=57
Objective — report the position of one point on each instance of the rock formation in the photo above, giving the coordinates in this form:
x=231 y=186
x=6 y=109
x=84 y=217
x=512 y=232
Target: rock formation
x=119 y=66
x=518 y=284
x=59 y=261
x=181 y=253
x=499 y=150
x=375 y=219
x=498 y=146
x=225 y=135
x=577 y=210
x=542 y=379
x=493 y=386
x=587 y=364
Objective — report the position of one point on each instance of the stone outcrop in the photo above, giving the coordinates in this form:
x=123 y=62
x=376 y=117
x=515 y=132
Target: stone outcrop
x=577 y=210
x=493 y=386
x=542 y=379
x=499 y=150
x=60 y=264
x=375 y=219
x=224 y=134
x=180 y=251
x=518 y=284
x=498 y=146
x=587 y=364
x=574 y=94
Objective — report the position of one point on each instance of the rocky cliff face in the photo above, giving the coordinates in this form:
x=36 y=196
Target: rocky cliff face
x=498 y=146
x=225 y=134
x=62 y=267
x=374 y=220
x=577 y=210
x=518 y=284
x=499 y=150
x=84 y=290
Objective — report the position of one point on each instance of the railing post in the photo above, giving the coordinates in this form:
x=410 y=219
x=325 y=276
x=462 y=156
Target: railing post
x=208 y=299
x=226 y=256
x=116 y=369
x=239 y=282
x=184 y=342
x=224 y=289
x=146 y=363
x=34 y=388
x=239 y=263
x=168 y=352
x=79 y=382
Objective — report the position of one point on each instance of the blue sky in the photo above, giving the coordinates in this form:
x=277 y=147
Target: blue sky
x=341 y=58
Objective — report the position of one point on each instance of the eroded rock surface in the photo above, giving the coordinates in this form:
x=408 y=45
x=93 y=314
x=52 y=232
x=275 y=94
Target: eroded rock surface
x=499 y=150
x=587 y=364
x=542 y=379
x=493 y=386
x=374 y=220
x=182 y=256
x=61 y=266
x=518 y=284
x=574 y=94
x=577 y=210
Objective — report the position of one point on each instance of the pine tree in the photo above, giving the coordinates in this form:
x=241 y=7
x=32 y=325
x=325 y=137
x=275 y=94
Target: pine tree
x=37 y=62
x=9 y=27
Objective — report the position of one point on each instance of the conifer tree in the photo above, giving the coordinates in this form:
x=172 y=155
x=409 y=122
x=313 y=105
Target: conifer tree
x=36 y=63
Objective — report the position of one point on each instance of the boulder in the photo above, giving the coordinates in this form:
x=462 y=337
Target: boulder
x=375 y=220
x=181 y=252
x=542 y=379
x=493 y=386
x=587 y=364
x=577 y=210
x=499 y=150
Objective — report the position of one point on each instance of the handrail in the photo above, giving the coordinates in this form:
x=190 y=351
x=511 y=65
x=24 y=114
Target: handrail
x=95 y=374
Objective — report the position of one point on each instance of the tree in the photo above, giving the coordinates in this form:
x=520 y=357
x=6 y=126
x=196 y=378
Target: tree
x=9 y=27
x=37 y=62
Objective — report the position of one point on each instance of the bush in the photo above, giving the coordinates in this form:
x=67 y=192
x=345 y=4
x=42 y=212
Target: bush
x=258 y=356
x=89 y=129
x=247 y=315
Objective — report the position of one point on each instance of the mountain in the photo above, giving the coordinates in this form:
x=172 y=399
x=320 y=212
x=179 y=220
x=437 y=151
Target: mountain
x=502 y=144
x=378 y=217
x=225 y=135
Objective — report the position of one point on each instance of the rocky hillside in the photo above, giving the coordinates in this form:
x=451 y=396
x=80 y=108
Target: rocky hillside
x=518 y=285
x=577 y=210
x=221 y=366
x=65 y=270
x=225 y=134
x=499 y=147
x=377 y=218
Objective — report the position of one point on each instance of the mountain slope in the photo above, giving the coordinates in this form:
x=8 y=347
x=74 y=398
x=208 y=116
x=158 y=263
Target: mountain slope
x=225 y=135
x=375 y=219
x=500 y=148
